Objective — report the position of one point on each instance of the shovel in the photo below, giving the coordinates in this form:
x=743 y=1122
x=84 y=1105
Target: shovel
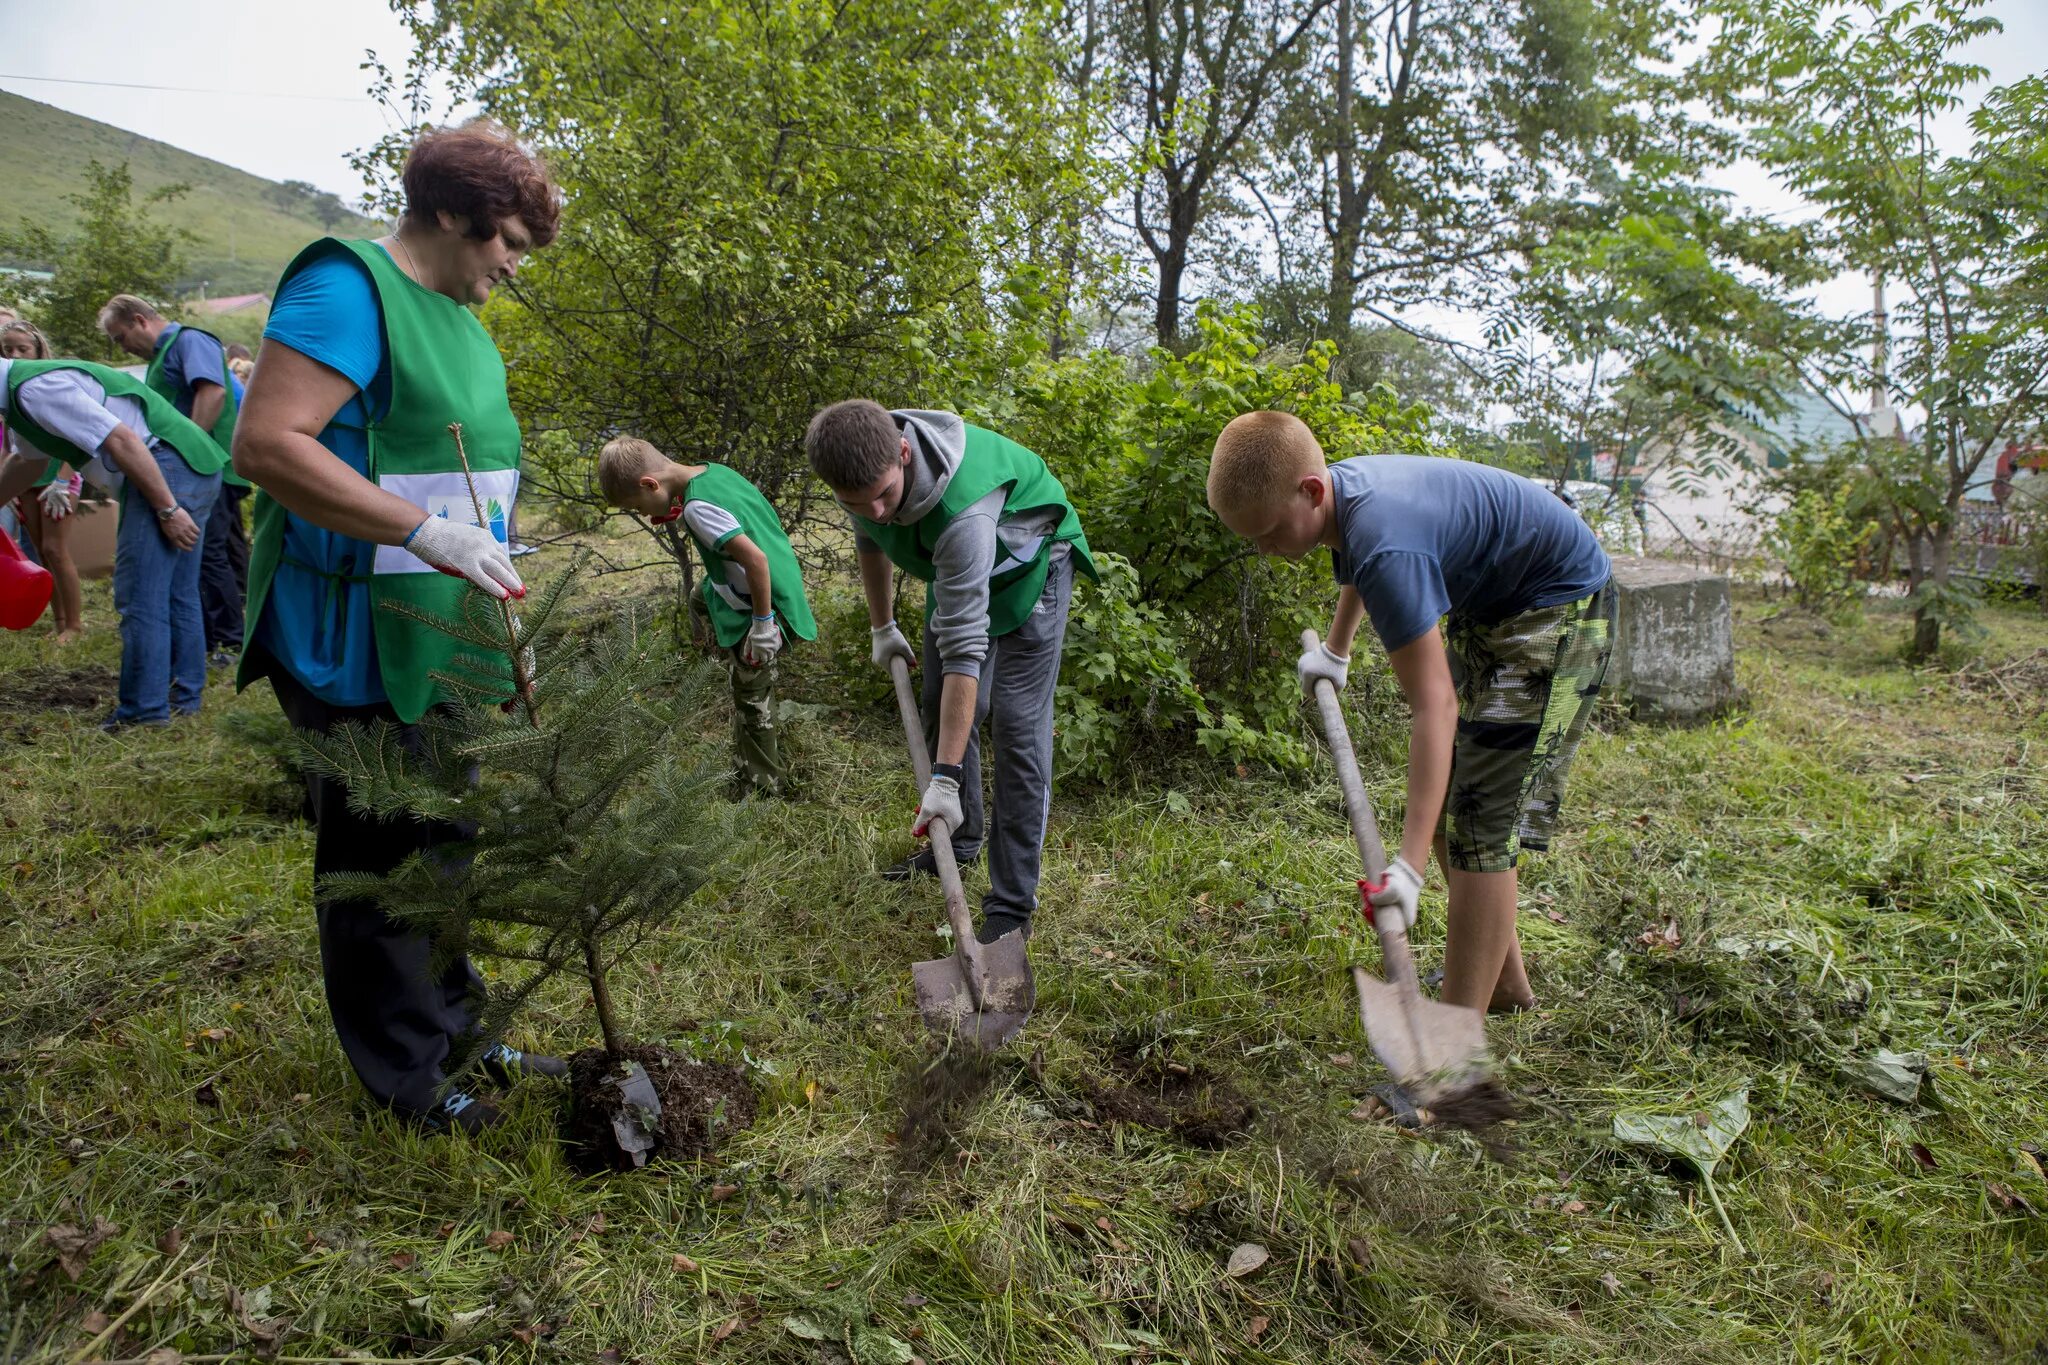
x=1437 y=1052
x=983 y=992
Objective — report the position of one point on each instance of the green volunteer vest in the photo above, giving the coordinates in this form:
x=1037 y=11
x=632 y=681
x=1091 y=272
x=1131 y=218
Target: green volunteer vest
x=990 y=462
x=731 y=615
x=444 y=368
x=166 y=423
x=223 y=432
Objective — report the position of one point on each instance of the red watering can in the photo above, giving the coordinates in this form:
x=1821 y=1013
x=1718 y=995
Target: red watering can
x=24 y=587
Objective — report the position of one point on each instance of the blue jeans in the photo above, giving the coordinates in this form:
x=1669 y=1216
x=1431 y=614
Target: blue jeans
x=156 y=592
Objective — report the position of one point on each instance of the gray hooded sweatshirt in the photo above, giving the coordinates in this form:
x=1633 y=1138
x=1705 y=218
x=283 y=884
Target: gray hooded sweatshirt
x=966 y=551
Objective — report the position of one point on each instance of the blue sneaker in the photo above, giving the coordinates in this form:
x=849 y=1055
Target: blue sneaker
x=460 y=1111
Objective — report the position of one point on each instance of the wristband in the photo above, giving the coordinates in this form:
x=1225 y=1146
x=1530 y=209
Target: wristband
x=406 y=544
x=769 y=617
x=953 y=770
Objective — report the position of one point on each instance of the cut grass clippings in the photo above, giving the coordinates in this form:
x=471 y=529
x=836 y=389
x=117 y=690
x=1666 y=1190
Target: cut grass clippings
x=1854 y=863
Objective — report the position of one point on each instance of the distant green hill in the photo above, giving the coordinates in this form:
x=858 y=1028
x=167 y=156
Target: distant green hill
x=247 y=227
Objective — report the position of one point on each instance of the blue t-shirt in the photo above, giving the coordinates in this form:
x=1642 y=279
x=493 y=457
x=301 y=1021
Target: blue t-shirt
x=317 y=623
x=191 y=357
x=1422 y=537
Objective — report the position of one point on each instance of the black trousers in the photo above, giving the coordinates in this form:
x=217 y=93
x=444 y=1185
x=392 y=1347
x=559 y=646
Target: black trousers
x=224 y=571
x=397 y=1020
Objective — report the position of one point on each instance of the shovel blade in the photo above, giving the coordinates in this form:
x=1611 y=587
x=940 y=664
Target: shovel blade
x=1433 y=1049
x=946 y=1001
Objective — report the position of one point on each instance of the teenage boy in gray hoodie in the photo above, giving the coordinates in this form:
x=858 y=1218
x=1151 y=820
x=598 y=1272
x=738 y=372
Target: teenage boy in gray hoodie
x=990 y=530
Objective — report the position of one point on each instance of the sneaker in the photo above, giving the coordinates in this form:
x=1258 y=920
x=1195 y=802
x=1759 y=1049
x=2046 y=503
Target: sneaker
x=113 y=724
x=995 y=926
x=223 y=658
x=506 y=1065
x=460 y=1111
x=921 y=864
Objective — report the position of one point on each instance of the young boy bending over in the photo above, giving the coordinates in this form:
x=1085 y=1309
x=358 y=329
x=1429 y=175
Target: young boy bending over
x=1491 y=598
x=753 y=593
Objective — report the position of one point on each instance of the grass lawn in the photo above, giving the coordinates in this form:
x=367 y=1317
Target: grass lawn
x=1857 y=861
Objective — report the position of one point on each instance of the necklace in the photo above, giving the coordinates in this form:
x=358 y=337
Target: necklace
x=398 y=236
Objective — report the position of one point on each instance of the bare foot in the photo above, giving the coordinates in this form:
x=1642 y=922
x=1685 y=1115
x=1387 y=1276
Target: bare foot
x=1508 y=1004
x=69 y=637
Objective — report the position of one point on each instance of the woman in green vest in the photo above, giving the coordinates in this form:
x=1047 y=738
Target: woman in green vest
x=370 y=352
x=49 y=511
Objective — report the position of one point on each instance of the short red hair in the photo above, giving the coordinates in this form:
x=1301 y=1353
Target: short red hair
x=480 y=172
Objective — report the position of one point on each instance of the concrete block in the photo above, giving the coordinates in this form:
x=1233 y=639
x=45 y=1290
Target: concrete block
x=1674 y=648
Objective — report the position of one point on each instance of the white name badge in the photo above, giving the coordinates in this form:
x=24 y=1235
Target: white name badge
x=447 y=495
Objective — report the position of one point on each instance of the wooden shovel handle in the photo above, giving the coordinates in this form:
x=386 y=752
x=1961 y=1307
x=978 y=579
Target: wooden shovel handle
x=1365 y=830
x=965 y=946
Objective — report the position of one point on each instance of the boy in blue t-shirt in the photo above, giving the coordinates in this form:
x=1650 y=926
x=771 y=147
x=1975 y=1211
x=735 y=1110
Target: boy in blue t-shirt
x=1500 y=691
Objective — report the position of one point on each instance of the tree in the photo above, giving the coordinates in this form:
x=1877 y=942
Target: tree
x=591 y=830
x=770 y=206
x=1200 y=84
x=1842 y=101
x=117 y=248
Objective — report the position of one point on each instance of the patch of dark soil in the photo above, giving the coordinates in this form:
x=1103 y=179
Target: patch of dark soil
x=938 y=1097
x=1175 y=1097
x=702 y=1104
x=46 y=687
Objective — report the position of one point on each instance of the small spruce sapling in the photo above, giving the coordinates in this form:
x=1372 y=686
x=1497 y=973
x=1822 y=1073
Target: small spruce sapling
x=588 y=825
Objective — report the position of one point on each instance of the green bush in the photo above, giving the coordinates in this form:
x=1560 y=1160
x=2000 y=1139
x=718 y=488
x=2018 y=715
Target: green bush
x=1819 y=539
x=1190 y=635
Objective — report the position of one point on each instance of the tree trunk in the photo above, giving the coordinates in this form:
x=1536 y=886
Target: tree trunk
x=1166 y=310
x=1927 y=618
x=1343 y=298
x=601 y=997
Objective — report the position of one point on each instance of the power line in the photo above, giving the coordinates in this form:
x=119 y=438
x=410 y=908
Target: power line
x=195 y=90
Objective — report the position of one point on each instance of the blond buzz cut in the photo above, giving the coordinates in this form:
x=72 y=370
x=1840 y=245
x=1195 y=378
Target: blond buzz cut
x=1259 y=458
x=621 y=463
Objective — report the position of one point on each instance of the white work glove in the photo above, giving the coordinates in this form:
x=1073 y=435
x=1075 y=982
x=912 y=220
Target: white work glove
x=463 y=551
x=763 y=642
x=1321 y=662
x=1396 y=893
x=887 y=642
x=941 y=801
x=56 y=499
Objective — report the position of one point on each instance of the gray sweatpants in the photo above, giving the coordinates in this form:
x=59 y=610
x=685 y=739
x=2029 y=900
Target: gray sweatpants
x=1015 y=699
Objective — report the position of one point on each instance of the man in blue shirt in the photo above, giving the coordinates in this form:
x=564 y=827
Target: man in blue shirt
x=192 y=366
x=1501 y=691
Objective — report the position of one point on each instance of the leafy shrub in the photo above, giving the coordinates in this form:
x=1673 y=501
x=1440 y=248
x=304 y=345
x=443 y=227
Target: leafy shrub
x=1819 y=541
x=1190 y=634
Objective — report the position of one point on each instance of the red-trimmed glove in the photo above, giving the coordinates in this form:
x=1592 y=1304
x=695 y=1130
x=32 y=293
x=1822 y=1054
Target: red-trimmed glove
x=1396 y=893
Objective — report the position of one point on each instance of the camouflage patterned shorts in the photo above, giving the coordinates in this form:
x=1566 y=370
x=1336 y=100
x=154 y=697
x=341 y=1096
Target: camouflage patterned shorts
x=1526 y=687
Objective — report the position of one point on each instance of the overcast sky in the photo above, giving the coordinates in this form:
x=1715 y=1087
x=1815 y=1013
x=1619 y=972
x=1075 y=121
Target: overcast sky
x=276 y=86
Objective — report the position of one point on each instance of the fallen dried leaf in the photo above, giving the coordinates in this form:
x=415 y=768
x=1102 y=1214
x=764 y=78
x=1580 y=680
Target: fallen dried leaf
x=1245 y=1258
x=163 y=1355
x=1361 y=1252
x=1609 y=1283
x=610 y=1355
x=498 y=1240
x=172 y=1242
x=721 y=1193
x=446 y=1230
x=724 y=1330
x=2008 y=1198
x=215 y=1036
x=1256 y=1328
x=915 y=1300
x=682 y=1265
x=1340 y=1059
x=1554 y=917
x=525 y=1335
x=402 y=1260
x=207 y=1095
x=1923 y=1156
x=94 y=1322
x=1574 y=1206
x=1663 y=939
x=74 y=1245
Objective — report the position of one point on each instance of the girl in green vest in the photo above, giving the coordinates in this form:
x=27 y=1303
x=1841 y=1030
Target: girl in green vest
x=370 y=352
x=753 y=594
x=50 y=512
